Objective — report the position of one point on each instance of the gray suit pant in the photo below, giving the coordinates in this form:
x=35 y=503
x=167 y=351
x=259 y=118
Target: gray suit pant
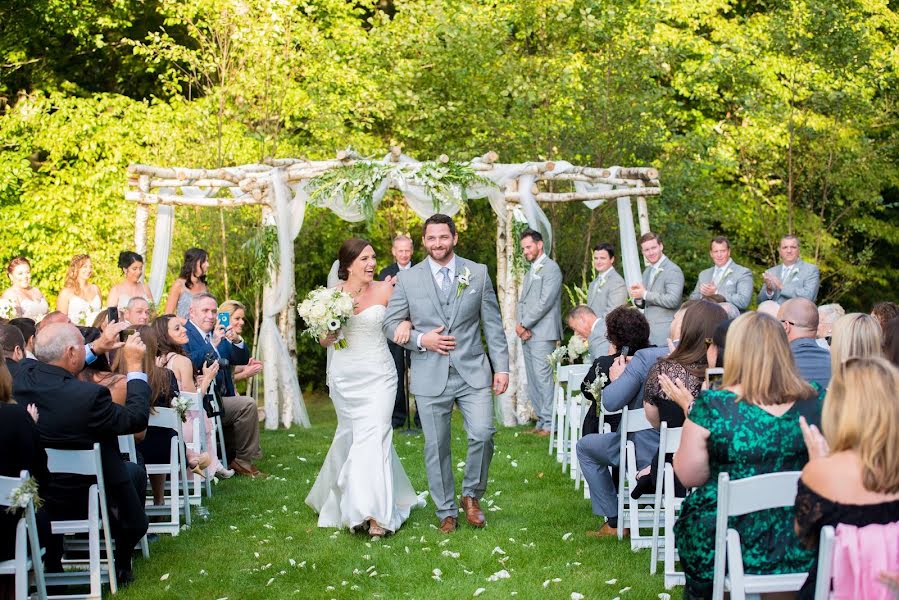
x=597 y=452
x=540 y=379
x=476 y=406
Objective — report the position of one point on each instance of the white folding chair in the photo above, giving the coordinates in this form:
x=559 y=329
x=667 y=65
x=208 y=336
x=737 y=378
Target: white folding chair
x=825 y=564
x=740 y=497
x=672 y=508
x=128 y=446
x=219 y=429
x=632 y=421
x=557 y=420
x=178 y=498
x=196 y=485
x=85 y=462
x=669 y=442
x=26 y=537
x=575 y=405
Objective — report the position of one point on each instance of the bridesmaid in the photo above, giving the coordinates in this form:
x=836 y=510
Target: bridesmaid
x=191 y=280
x=80 y=299
x=132 y=266
x=28 y=301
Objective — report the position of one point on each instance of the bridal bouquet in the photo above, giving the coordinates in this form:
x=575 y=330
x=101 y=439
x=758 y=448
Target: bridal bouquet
x=7 y=309
x=325 y=311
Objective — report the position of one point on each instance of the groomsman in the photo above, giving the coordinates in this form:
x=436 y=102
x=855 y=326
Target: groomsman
x=793 y=278
x=660 y=293
x=539 y=325
x=726 y=279
x=402 y=256
x=606 y=292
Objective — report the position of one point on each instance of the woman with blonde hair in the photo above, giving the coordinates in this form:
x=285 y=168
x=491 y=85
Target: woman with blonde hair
x=238 y=315
x=79 y=298
x=854 y=334
x=748 y=427
x=852 y=479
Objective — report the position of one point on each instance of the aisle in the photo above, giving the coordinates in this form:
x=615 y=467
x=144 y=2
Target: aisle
x=261 y=540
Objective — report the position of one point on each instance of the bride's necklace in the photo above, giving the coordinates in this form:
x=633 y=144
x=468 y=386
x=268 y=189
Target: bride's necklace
x=358 y=292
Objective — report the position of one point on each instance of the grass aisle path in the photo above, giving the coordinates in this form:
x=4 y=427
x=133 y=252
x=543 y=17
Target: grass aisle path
x=261 y=540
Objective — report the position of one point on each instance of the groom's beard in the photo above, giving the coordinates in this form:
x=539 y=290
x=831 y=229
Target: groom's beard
x=441 y=254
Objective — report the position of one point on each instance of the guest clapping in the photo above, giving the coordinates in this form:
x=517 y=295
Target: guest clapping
x=27 y=300
x=80 y=299
x=131 y=286
x=238 y=318
x=191 y=281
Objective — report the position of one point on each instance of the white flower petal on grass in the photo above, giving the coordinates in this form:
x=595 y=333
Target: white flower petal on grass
x=514 y=463
x=566 y=537
x=292 y=562
x=164 y=577
x=256 y=554
x=546 y=583
x=499 y=575
x=436 y=574
x=612 y=581
x=624 y=590
x=557 y=580
x=330 y=588
x=664 y=596
x=479 y=591
x=576 y=596
x=270 y=581
x=449 y=554
x=232 y=527
x=497 y=550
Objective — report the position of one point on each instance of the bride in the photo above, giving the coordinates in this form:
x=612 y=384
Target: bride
x=362 y=483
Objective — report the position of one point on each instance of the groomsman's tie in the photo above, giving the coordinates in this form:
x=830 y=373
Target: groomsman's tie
x=716 y=277
x=446 y=284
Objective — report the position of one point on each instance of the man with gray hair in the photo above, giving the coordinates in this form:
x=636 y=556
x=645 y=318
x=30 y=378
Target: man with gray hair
x=799 y=318
x=76 y=414
x=769 y=307
x=793 y=278
x=584 y=322
x=137 y=311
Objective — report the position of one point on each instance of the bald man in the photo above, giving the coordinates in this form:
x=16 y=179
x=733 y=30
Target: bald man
x=799 y=318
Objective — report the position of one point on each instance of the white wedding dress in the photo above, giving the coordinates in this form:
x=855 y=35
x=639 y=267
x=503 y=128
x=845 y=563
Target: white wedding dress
x=362 y=478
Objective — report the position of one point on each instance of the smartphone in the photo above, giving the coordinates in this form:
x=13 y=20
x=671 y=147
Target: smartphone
x=625 y=350
x=225 y=319
x=126 y=333
x=714 y=377
x=112 y=314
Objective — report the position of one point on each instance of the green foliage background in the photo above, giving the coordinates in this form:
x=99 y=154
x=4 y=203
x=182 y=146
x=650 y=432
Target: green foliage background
x=763 y=118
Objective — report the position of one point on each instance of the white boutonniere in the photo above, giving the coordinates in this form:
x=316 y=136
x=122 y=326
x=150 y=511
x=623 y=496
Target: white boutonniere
x=728 y=272
x=464 y=281
x=602 y=282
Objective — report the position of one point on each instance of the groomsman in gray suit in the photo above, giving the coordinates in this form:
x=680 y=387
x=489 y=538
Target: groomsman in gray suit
x=451 y=302
x=660 y=293
x=584 y=322
x=539 y=325
x=606 y=292
x=727 y=279
x=792 y=278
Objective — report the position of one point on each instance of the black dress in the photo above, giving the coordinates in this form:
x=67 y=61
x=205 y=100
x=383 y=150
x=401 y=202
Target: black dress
x=155 y=448
x=814 y=512
x=591 y=421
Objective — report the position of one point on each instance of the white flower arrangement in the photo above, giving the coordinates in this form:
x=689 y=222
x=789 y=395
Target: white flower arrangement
x=22 y=495
x=325 y=311
x=464 y=281
x=596 y=387
x=577 y=347
x=7 y=309
x=181 y=404
x=556 y=358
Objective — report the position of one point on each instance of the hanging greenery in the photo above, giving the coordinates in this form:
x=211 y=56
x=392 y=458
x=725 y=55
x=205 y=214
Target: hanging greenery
x=262 y=247
x=356 y=184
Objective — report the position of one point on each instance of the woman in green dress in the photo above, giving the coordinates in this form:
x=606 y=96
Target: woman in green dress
x=749 y=427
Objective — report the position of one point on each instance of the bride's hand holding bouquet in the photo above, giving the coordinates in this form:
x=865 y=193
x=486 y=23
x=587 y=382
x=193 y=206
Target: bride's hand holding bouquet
x=325 y=311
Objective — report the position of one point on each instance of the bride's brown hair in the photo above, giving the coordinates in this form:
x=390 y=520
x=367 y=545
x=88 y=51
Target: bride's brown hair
x=349 y=251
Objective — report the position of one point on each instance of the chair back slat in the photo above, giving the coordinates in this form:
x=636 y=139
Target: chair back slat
x=771 y=490
x=634 y=420
x=164 y=417
x=576 y=374
x=76 y=462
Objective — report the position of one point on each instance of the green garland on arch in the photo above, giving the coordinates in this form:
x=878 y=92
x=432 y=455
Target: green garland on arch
x=356 y=183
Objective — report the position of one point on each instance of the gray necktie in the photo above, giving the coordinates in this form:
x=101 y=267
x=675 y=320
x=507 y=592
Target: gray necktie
x=716 y=277
x=445 y=284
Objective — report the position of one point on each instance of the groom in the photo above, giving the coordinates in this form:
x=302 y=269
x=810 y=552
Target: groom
x=449 y=301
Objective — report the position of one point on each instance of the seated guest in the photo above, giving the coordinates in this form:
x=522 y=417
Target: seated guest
x=238 y=316
x=799 y=318
x=891 y=341
x=852 y=478
x=625 y=328
x=132 y=285
x=137 y=311
x=793 y=278
x=12 y=347
x=598 y=452
x=28 y=300
x=726 y=278
x=855 y=334
x=76 y=414
x=885 y=312
x=749 y=427
x=769 y=307
x=102 y=373
x=208 y=340
x=191 y=281
x=80 y=299
x=20 y=450
x=827 y=316
x=675 y=388
x=171 y=336
x=28 y=328
x=584 y=322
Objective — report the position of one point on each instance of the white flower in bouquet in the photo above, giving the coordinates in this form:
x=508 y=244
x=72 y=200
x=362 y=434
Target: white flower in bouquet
x=7 y=309
x=596 y=387
x=20 y=497
x=181 y=404
x=556 y=358
x=326 y=311
x=577 y=347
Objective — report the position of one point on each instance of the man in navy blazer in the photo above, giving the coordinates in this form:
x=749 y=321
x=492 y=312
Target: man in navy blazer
x=799 y=318
x=597 y=452
x=207 y=340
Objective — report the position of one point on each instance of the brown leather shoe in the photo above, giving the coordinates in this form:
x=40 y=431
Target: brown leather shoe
x=542 y=433
x=607 y=531
x=447 y=525
x=241 y=468
x=473 y=513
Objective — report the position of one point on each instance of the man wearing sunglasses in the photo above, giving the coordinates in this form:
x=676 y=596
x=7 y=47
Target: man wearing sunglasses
x=799 y=318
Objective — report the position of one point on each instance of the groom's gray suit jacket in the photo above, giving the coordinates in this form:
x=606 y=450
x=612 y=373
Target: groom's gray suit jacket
x=416 y=298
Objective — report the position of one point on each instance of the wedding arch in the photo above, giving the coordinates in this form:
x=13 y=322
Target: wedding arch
x=352 y=186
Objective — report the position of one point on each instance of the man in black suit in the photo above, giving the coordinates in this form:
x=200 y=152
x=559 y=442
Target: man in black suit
x=402 y=255
x=76 y=414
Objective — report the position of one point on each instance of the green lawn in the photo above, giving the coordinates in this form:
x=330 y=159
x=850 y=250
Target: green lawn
x=261 y=540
